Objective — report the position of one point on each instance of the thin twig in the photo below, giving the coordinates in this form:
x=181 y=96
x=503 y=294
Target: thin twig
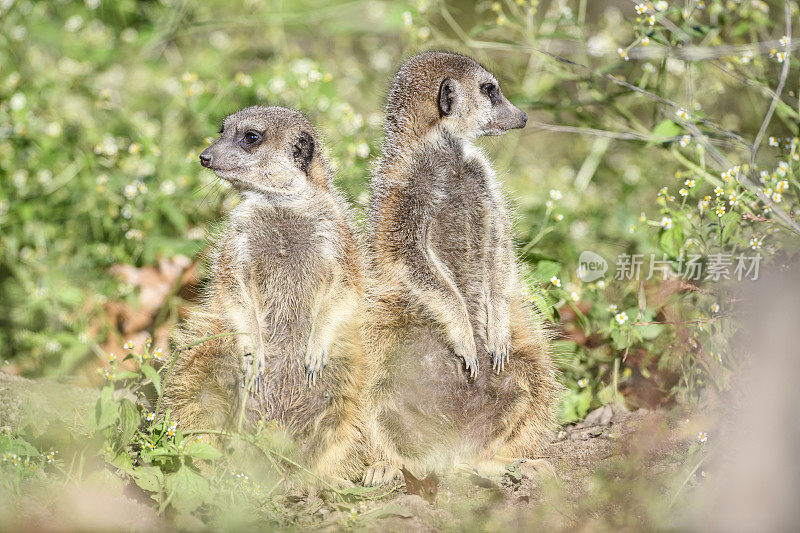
x=778 y=91
x=621 y=135
x=652 y=96
x=722 y=162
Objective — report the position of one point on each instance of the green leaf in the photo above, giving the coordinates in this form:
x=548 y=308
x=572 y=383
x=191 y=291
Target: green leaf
x=123 y=461
x=129 y=420
x=546 y=270
x=670 y=240
x=730 y=225
x=105 y=411
x=650 y=331
x=148 y=478
x=21 y=447
x=152 y=374
x=513 y=471
x=187 y=490
x=665 y=128
x=202 y=450
x=126 y=374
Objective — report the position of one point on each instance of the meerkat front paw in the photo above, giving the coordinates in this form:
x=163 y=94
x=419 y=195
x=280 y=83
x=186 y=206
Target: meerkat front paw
x=469 y=353
x=381 y=473
x=499 y=347
x=253 y=372
x=315 y=360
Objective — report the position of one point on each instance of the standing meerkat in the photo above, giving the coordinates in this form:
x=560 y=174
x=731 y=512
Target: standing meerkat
x=286 y=278
x=458 y=371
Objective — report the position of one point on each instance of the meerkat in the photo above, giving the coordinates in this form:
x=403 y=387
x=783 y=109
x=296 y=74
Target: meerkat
x=285 y=284
x=458 y=370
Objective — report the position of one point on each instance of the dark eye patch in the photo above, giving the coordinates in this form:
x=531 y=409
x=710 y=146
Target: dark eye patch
x=492 y=91
x=250 y=139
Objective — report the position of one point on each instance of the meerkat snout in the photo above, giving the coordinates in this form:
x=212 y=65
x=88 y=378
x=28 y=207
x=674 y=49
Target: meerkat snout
x=472 y=104
x=262 y=149
x=476 y=106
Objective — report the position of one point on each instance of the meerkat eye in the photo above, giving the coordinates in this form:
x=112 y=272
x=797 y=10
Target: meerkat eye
x=490 y=90
x=251 y=137
x=221 y=129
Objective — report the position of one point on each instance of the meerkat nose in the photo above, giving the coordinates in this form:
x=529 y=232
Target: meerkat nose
x=524 y=118
x=205 y=160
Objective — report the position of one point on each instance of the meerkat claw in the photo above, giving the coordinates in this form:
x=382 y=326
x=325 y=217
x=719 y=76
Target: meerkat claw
x=312 y=374
x=499 y=359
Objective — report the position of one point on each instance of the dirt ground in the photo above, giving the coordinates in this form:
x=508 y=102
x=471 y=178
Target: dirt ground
x=613 y=447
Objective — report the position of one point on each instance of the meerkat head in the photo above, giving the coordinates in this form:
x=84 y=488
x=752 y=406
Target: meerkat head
x=451 y=91
x=266 y=149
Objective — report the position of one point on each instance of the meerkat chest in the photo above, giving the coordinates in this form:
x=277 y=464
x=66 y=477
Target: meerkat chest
x=274 y=248
x=474 y=201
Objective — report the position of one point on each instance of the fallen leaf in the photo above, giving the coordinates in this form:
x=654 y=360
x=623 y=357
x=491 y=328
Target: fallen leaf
x=426 y=488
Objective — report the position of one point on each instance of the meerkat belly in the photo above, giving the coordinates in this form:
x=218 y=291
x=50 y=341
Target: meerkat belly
x=434 y=399
x=285 y=266
x=464 y=240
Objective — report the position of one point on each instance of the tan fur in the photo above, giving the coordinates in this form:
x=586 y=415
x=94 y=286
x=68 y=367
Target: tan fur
x=286 y=274
x=446 y=291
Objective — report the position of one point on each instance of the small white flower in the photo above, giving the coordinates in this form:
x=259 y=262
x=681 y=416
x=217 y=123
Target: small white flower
x=683 y=192
x=555 y=194
x=612 y=308
x=689 y=183
x=623 y=53
x=130 y=345
x=575 y=296
x=682 y=113
x=715 y=308
x=685 y=140
x=17 y=101
x=661 y=6
x=645 y=40
x=362 y=150
x=583 y=382
x=702 y=436
x=666 y=222
x=555 y=281
x=621 y=318
x=773 y=141
x=168 y=187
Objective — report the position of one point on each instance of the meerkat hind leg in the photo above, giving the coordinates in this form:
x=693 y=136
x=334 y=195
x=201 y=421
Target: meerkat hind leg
x=380 y=473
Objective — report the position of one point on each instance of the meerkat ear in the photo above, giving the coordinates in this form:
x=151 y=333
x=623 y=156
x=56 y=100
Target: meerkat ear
x=447 y=96
x=303 y=151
